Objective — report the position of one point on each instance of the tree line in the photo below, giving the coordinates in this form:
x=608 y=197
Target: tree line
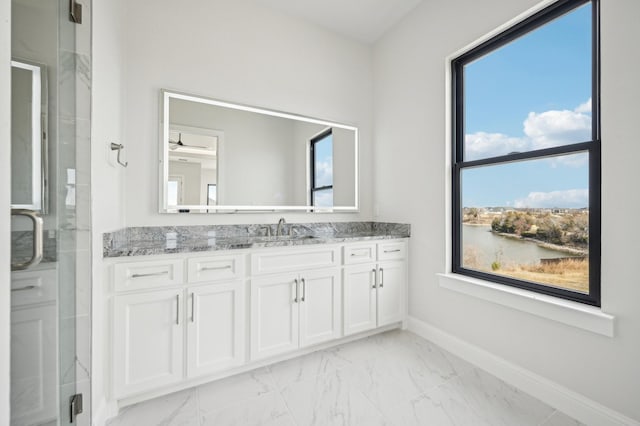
x=569 y=228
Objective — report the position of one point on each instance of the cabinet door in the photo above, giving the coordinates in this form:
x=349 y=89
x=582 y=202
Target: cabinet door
x=391 y=292
x=33 y=373
x=319 y=306
x=215 y=327
x=359 y=298
x=147 y=340
x=274 y=315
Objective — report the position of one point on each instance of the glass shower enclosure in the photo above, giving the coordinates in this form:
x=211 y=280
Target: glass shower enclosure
x=50 y=207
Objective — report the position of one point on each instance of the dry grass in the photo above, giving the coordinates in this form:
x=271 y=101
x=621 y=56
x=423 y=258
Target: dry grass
x=570 y=273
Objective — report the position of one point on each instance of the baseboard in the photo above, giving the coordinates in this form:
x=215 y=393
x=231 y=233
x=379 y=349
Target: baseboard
x=99 y=416
x=569 y=402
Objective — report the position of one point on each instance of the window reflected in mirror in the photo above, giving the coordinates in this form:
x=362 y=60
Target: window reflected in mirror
x=321 y=149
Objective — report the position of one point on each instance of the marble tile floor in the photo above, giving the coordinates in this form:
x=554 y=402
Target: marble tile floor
x=394 y=378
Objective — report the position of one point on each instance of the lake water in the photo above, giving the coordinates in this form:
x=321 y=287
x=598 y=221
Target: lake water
x=490 y=247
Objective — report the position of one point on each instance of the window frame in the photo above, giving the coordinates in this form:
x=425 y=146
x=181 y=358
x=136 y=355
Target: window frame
x=592 y=148
x=312 y=156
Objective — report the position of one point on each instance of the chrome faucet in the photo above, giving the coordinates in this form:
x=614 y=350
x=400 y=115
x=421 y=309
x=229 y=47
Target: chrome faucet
x=281 y=223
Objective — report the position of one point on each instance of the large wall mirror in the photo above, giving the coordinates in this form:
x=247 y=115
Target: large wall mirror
x=221 y=157
x=28 y=136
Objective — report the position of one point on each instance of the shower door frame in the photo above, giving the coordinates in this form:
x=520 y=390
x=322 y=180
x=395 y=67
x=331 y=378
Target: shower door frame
x=5 y=202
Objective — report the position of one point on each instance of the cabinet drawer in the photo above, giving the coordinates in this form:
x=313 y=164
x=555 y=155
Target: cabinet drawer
x=389 y=251
x=214 y=268
x=148 y=274
x=35 y=286
x=296 y=259
x=359 y=253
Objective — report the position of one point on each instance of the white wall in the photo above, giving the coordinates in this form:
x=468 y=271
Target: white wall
x=410 y=154
x=5 y=202
x=343 y=169
x=239 y=51
x=107 y=177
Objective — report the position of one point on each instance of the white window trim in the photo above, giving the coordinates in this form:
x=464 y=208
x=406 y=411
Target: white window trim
x=575 y=314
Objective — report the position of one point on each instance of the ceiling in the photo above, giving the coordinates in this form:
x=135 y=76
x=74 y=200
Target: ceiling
x=364 y=20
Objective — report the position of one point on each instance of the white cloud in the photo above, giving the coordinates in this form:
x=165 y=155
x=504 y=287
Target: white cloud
x=542 y=130
x=571 y=198
x=324 y=172
x=556 y=128
x=584 y=108
x=483 y=145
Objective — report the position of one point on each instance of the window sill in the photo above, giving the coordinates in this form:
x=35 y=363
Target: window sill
x=575 y=314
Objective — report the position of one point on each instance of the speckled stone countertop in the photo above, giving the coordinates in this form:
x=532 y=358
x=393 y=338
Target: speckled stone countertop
x=142 y=241
x=22 y=247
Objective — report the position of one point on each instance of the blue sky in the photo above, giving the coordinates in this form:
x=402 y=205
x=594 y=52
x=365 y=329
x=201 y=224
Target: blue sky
x=532 y=93
x=324 y=171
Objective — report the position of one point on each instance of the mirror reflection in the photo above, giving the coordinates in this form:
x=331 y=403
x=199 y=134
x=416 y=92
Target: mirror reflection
x=218 y=156
x=28 y=135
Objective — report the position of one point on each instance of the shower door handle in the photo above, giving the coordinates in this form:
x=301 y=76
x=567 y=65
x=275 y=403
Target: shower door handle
x=38 y=239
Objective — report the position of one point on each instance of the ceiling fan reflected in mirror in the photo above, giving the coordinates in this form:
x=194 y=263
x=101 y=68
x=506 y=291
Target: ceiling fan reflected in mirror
x=176 y=144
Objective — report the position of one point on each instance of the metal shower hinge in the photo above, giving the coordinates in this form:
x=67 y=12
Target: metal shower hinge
x=75 y=12
x=75 y=406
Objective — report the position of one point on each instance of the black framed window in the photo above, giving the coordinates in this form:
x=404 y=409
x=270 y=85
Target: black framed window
x=526 y=155
x=321 y=149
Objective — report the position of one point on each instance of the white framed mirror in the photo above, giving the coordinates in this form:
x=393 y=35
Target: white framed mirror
x=29 y=105
x=217 y=156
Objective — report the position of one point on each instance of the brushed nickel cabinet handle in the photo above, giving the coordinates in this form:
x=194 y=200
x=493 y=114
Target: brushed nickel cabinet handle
x=381 y=277
x=392 y=251
x=215 y=268
x=296 y=284
x=29 y=287
x=193 y=307
x=177 y=309
x=304 y=290
x=375 y=278
x=360 y=254
x=150 y=274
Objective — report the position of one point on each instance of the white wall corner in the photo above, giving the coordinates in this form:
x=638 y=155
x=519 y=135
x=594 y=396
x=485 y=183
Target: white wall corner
x=563 y=399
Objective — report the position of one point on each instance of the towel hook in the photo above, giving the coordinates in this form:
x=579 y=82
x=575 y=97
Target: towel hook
x=118 y=147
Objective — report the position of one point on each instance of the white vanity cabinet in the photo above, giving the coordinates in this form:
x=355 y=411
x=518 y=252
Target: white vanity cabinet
x=180 y=320
x=294 y=309
x=162 y=336
x=215 y=328
x=374 y=285
x=148 y=340
x=34 y=335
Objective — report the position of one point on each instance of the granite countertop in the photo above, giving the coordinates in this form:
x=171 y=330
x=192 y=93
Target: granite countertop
x=22 y=247
x=142 y=241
